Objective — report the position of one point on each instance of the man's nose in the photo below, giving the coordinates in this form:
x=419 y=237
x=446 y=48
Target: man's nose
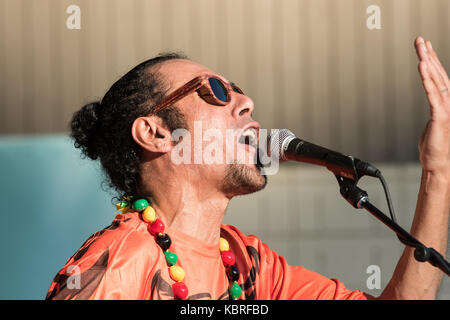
x=243 y=106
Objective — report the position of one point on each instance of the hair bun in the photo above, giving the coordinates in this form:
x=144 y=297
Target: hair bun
x=84 y=126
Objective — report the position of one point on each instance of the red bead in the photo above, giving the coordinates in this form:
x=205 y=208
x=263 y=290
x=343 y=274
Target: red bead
x=180 y=291
x=156 y=227
x=228 y=258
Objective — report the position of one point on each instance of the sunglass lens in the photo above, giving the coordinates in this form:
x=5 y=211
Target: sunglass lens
x=219 y=89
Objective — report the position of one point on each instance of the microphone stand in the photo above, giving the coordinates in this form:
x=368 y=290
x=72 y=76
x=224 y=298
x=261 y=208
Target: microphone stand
x=359 y=199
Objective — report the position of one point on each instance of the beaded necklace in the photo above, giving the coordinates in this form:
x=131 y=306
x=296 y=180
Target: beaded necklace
x=156 y=228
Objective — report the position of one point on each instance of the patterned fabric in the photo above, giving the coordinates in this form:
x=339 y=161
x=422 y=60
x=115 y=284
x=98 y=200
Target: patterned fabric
x=123 y=261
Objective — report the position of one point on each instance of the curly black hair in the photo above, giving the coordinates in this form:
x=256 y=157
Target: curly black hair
x=102 y=130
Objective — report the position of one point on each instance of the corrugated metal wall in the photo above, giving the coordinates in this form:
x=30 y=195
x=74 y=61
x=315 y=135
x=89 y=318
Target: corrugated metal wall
x=311 y=66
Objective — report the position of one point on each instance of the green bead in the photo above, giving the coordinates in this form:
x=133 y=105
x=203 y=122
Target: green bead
x=140 y=204
x=235 y=291
x=124 y=204
x=171 y=257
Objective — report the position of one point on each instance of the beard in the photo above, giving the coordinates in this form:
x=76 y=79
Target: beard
x=243 y=179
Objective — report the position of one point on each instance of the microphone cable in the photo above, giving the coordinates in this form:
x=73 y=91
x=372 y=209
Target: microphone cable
x=390 y=205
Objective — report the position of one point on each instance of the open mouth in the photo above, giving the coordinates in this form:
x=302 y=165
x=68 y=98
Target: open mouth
x=249 y=137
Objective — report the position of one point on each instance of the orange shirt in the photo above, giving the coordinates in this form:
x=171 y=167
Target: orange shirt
x=123 y=261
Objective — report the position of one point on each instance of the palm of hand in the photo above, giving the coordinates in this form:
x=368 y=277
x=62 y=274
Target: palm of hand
x=434 y=144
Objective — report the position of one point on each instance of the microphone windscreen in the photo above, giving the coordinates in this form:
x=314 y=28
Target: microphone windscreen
x=276 y=140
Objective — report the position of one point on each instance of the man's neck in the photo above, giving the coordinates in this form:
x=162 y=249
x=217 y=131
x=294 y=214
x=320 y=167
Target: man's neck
x=190 y=209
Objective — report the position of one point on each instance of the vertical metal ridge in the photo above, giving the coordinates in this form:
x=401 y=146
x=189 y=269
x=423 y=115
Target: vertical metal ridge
x=28 y=67
x=390 y=141
x=306 y=102
x=360 y=71
x=333 y=71
x=278 y=62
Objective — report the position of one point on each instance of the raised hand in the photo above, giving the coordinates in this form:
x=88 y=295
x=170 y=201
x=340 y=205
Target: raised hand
x=434 y=144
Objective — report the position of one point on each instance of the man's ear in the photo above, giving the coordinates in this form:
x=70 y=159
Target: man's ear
x=152 y=135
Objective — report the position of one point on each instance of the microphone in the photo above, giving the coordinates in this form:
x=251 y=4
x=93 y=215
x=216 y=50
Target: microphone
x=284 y=145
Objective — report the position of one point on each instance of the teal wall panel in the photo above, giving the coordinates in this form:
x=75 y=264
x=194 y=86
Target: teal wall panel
x=51 y=202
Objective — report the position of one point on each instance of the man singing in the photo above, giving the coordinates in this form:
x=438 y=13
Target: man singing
x=168 y=240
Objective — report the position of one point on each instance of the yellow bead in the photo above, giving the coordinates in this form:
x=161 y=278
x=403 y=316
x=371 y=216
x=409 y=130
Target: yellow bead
x=126 y=210
x=223 y=245
x=176 y=273
x=122 y=210
x=149 y=214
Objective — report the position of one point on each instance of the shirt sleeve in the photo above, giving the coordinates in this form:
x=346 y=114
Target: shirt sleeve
x=107 y=271
x=288 y=282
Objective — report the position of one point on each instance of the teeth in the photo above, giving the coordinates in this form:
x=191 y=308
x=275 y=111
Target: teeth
x=249 y=137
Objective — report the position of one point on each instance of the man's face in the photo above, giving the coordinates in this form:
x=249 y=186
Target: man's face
x=221 y=155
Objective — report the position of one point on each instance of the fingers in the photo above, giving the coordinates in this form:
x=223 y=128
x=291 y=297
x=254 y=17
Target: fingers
x=420 y=48
x=433 y=94
x=435 y=60
x=431 y=68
